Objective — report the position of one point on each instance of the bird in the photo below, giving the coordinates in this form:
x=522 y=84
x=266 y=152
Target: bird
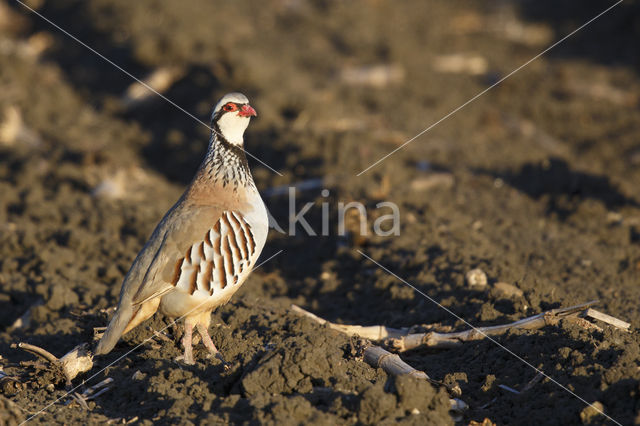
x=205 y=246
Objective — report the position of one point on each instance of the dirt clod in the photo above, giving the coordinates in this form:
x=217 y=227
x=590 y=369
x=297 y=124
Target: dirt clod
x=590 y=412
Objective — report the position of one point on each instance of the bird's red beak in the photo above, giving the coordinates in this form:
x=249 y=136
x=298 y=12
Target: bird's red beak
x=247 y=111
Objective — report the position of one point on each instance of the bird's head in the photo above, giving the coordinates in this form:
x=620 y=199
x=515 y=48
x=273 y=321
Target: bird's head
x=231 y=116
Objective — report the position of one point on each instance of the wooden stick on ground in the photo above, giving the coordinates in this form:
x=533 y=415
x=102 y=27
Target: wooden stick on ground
x=374 y=332
x=90 y=393
x=537 y=378
x=377 y=357
x=447 y=340
x=592 y=313
x=400 y=340
x=36 y=350
x=76 y=361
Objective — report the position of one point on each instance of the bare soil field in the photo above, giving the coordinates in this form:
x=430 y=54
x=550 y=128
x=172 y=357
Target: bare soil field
x=536 y=183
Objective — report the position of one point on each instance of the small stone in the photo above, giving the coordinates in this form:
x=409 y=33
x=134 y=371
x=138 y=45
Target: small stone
x=589 y=412
x=50 y=388
x=138 y=375
x=433 y=180
x=507 y=290
x=476 y=278
x=488 y=383
x=486 y=422
x=379 y=75
x=614 y=218
x=461 y=63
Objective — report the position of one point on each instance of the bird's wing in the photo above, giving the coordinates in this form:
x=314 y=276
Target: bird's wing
x=205 y=252
x=192 y=249
x=136 y=278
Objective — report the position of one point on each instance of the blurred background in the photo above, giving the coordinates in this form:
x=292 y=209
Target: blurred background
x=536 y=182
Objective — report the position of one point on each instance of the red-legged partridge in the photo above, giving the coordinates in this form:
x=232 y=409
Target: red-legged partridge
x=207 y=243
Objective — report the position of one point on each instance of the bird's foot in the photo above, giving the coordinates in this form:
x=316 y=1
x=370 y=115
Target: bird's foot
x=218 y=357
x=208 y=343
x=186 y=359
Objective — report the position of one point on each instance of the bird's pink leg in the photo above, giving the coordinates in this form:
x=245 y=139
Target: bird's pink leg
x=208 y=343
x=186 y=342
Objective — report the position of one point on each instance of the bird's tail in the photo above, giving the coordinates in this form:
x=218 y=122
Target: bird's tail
x=115 y=329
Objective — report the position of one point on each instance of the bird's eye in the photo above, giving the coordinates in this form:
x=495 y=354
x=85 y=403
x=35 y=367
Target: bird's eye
x=229 y=107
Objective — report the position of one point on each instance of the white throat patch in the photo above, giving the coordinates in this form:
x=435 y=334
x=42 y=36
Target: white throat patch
x=232 y=127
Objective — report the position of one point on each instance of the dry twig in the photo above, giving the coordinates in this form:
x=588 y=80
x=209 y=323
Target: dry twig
x=400 y=340
x=90 y=393
x=447 y=340
x=537 y=378
x=76 y=361
x=36 y=350
x=509 y=389
x=592 y=313
x=374 y=332
x=377 y=357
